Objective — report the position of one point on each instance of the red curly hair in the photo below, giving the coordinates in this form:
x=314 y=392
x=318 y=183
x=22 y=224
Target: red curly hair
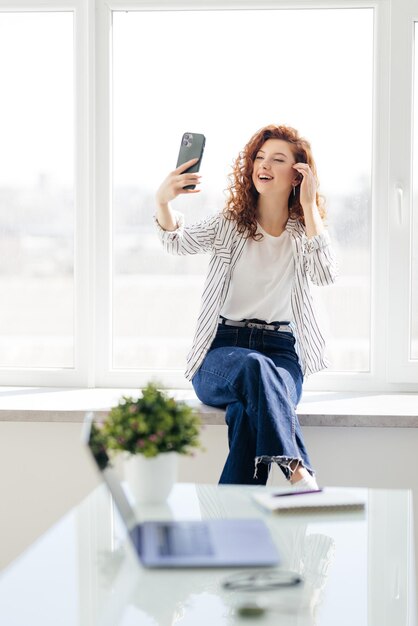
x=242 y=202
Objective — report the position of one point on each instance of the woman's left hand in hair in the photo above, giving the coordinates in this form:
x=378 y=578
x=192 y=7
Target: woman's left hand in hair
x=307 y=186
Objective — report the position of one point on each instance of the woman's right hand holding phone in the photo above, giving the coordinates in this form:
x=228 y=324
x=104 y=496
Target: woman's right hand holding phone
x=171 y=187
x=175 y=182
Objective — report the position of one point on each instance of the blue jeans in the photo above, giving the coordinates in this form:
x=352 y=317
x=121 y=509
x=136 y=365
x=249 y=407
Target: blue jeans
x=255 y=374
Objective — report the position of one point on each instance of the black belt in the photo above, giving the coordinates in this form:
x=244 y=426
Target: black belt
x=249 y=324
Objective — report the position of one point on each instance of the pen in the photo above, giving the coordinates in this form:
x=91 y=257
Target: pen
x=296 y=493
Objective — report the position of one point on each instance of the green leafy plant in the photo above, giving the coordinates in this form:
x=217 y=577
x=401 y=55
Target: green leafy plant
x=151 y=424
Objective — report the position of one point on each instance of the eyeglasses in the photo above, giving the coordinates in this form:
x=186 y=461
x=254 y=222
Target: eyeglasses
x=261 y=580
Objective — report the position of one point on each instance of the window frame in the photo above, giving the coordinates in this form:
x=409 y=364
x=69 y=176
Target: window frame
x=389 y=369
x=400 y=368
x=82 y=372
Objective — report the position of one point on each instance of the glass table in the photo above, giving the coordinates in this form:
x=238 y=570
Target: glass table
x=357 y=568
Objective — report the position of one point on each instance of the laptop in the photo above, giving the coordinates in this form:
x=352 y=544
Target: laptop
x=182 y=544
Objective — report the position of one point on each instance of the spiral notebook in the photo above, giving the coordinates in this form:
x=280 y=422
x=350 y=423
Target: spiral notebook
x=327 y=499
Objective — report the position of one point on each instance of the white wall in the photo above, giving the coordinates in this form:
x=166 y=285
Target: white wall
x=369 y=457
x=43 y=473
x=44 y=470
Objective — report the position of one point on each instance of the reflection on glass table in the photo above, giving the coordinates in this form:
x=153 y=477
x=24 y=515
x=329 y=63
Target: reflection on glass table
x=356 y=568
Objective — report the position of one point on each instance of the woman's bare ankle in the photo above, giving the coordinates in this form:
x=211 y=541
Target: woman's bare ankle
x=299 y=473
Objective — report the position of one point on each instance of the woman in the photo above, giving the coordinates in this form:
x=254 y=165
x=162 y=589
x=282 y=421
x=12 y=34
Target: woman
x=257 y=335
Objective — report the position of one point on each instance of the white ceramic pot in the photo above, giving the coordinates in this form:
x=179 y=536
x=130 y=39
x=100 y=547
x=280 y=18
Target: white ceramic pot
x=151 y=479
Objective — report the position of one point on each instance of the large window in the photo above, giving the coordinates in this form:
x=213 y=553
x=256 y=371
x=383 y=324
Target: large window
x=95 y=97
x=36 y=190
x=253 y=76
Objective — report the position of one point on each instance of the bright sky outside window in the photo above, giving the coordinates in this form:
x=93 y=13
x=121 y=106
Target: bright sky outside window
x=36 y=190
x=253 y=76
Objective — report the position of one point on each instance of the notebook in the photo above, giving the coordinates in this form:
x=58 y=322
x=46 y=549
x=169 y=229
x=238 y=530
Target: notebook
x=326 y=499
x=196 y=543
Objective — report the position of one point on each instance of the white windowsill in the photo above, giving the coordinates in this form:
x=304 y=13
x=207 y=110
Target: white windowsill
x=317 y=408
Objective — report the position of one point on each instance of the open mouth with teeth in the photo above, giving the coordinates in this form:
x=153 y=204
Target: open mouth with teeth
x=264 y=177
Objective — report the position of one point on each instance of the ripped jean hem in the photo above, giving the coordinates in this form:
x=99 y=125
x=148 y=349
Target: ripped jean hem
x=283 y=462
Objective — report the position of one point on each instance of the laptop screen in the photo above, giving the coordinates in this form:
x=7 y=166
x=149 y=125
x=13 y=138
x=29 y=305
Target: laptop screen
x=99 y=455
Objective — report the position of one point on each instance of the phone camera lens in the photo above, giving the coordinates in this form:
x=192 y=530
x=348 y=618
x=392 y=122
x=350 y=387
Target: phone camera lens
x=187 y=140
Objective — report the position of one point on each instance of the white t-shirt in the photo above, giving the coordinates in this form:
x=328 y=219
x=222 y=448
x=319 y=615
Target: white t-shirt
x=261 y=283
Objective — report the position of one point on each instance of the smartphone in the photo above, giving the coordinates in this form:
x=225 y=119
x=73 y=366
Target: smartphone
x=191 y=147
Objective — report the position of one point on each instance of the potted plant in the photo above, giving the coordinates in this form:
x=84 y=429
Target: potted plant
x=152 y=430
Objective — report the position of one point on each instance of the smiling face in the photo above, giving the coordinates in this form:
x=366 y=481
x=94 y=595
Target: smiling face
x=272 y=169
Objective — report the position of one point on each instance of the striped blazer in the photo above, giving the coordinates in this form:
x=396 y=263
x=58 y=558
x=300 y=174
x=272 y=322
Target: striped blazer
x=218 y=236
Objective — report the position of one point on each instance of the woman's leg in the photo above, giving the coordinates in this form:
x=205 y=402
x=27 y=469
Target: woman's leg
x=267 y=421
x=239 y=465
